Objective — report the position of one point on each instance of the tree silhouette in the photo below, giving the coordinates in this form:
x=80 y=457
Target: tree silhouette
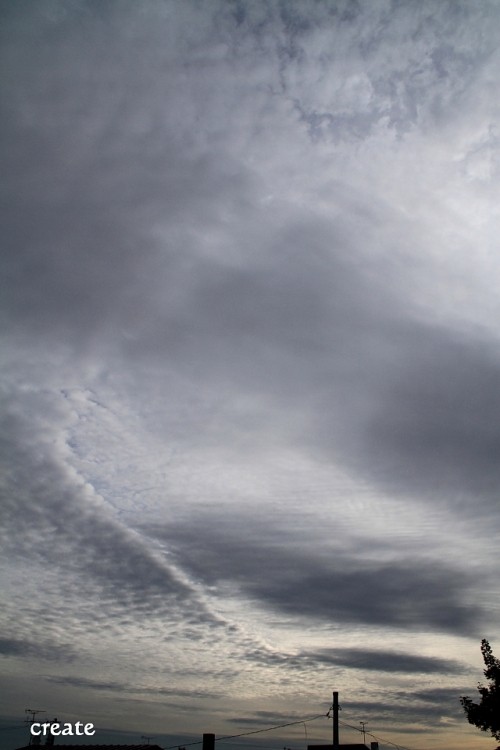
x=486 y=714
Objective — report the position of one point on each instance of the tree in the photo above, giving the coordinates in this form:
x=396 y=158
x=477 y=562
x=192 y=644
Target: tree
x=486 y=714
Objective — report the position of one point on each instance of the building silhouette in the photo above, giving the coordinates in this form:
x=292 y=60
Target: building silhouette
x=94 y=747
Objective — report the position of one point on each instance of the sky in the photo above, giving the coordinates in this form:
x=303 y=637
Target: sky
x=250 y=365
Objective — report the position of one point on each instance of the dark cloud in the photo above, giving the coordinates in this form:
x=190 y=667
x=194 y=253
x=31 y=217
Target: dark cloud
x=386 y=661
x=440 y=695
x=83 y=682
x=433 y=423
x=440 y=705
x=24 y=648
x=119 y=687
x=334 y=586
x=379 y=594
x=443 y=701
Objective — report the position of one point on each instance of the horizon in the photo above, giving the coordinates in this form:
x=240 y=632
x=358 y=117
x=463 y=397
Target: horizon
x=271 y=738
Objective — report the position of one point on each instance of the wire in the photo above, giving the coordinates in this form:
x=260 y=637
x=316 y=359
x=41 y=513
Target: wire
x=183 y=744
x=290 y=724
x=255 y=744
x=253 y=731
x=375 y=737
x=270 y=729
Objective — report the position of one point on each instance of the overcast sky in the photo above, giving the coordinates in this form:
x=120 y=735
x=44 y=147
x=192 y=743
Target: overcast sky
x=250 y=363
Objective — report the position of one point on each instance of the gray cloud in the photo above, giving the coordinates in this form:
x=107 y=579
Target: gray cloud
x=24 y=648
x=440 y=705
x=433 y=424
x=87 y=683
x=51 y=514
x=264 y=719
x=443 y=695
x=386 y=661
x=107 y=257
x=117 y=687
x=336 y=586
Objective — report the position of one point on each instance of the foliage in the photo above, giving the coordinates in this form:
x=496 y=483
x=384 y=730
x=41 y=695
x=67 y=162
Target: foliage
x=486 y=714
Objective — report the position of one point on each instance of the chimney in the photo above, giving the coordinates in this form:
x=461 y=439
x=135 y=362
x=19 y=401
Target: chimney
x=373 y=745
x=208 y=741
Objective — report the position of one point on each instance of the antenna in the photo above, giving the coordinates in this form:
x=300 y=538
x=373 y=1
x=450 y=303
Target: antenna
x=30 y=721
x=33 y=712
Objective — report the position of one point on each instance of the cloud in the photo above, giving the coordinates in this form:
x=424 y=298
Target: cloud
x=442 y=705
x=52 y=514
x=438 y=695
x=118 y=687
x=265 y=719
x=433 y=424
x=87 y=683
x=250 y=365
x=158 y=252
x=386 y=661
x=47 y=650
x=333 y=586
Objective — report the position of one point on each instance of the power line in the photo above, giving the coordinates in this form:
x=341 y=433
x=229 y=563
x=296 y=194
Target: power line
x=290 y=724
x=253 y=731
x=375 y=737
x=270 y=729
x=183 y=744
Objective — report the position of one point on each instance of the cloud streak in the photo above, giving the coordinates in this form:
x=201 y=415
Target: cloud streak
x=340 y=587
x=386 y=661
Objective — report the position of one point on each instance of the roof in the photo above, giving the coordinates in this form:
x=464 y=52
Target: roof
x=56 y=746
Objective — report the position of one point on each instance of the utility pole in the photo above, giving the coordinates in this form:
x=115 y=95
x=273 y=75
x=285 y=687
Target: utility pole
x=335 y=709
x=363 y=730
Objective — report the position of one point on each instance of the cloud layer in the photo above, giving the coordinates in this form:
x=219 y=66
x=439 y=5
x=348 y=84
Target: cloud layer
x=250 y=373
